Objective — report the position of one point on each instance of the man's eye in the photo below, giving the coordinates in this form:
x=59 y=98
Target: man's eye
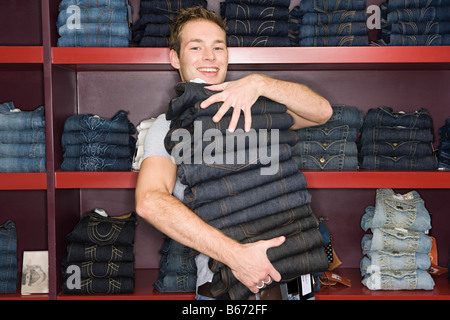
x=195 y=48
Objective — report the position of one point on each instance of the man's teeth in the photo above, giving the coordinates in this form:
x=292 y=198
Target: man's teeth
x=208 y=69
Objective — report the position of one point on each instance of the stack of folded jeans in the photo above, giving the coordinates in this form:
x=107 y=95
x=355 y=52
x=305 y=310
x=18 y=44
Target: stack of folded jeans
x=153 y=27
x=415 y=23
x=94 y=23
x=397 y=250
x=256 y=23
x=102 y=249
x=333 y=23
x=91 y=143
x=295 y=21
x=245 y=181
x=8 y=257
x=444 y=146
x=177 y=268
x=331 y=146
x=397 y=140
x=22 y=139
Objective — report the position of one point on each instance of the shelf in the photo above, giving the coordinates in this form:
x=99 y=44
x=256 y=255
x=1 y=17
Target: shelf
x=143 y=290
x=17 y=54
x=23 y=181
x=267 y=58
x=315 y=179
x=358 y=291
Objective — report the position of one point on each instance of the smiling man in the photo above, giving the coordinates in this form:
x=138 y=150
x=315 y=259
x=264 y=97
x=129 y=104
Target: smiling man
x=198 y=51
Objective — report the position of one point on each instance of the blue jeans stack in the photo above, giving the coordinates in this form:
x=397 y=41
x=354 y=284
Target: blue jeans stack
x=256 y=23
x=22 y=139
x=92 y=143
x=331 y=146
x=415 y=23
x=397 y=140
x=444 y=146
x=243 y=197
x=101 y=247
x=153 y=27
x=8 y=257
x=94 y=23
x=396 y=253
x=331 y=23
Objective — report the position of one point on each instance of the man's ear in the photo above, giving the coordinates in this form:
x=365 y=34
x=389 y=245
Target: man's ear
x=174 y=60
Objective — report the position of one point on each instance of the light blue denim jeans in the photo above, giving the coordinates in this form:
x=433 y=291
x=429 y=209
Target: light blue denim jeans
x=22 y=120
x=389 y=261
x=92 y=41
x=22 y=136
x=94 y=15
x=399 y=280
x=22 y=164
x=112 y=4
x=18 y=150
x=97 y=29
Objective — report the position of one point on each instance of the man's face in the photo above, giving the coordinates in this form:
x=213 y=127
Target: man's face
x=203 y=52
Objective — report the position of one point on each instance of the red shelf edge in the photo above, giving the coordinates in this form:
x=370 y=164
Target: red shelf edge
x=18 y=54
x=108 y=180
x=23 y=181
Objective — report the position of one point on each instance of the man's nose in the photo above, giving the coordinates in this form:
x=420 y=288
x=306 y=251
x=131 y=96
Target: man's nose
x=209 y=54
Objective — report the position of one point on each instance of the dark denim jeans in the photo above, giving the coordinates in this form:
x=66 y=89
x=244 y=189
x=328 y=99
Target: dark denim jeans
x=400 y=4
x=97 y=229
x=159 y=42
x=246 y=27
x=397 y=149
x=99 y=150
x=90 y=122
x=257 y=41
x=92 y=163
x=80 y=137
x=79 y=252
x=335 y=41
x=323 y=133
x=440 y=13
x=344 y=115
x=334 y=17
x=400 y=163
x=396 y=134
x=385 y=116
x=22 y=136
x=8 y=257
x=331 y=5
x=102 y=286
x=326 y=147
x=326 y=161
x=234 y=184
x=420 y=40
x=250 y=11
x=335 y=29
x=420 y=28
x=168 y=6
x=93 y=269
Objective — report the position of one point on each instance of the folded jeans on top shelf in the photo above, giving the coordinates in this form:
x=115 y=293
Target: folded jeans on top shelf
x=331 y=5
x=396 y=240
x=113 y=4
x=387 y=117
x=18 y=120
x=93 y=15
x=97 y=29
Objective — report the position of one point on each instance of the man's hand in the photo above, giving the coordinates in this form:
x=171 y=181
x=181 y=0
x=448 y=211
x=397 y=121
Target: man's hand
x=239 y=95
x=251 y=265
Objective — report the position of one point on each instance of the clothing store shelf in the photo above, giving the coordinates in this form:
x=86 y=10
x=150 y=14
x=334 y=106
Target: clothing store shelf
x=23 y=181
x=315 y=179
x=21 y=54
x=358 y=291
x=267 y=58
x=143 y=290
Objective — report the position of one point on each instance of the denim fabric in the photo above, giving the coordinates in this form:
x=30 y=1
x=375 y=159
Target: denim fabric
x=246 y=11
x=92 y=41
x=420 y=28
x=335 y=17
x=112 y=4
x=326 y=162
x=275 y=3
x=343 y=132
x=176 y=282
x=397 y=149
x=400 y=4
x=383 y=162
x=325 y=147
x=234 y=184
x=441 y=13
x=93 y=269
x=389 y=261
x=118 y=123
x=94 y=15
x=79 y=252
x=93 y=285
x=385 y=116
x=331 y=5
x=193 y=174
x=248 y=198
x=21 y=164
x=22 y=136
x=105 y=137
x=16 y=150
x=396 y=240
x=336 y=29
x=399 y=280
x=22 y=120
x=246 y=27
x=8 y=257
x=97 y=229
x=157 y=30
x=420 y=40
x=91 y=163
x=340 y=41
x=264 y=209
x=7 y=107
x=396 y=134
x=98 y=150
x=393 y=212
x=97 y=29
x=257 y=41
x=168 y=6
x=444 y=145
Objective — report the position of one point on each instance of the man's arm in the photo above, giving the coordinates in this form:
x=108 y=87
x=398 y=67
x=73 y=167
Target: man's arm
x=306 y=107
x=156 y=204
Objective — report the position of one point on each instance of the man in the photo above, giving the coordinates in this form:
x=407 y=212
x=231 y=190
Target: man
x=198 y=51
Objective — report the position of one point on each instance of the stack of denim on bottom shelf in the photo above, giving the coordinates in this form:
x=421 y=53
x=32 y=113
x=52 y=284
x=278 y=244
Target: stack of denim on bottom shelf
x=91 y=143
x=153 y=27
x=397 y=140
x=332 y=23
x=102 y=249
x=444 y=146
x=94 y=23
x=331 y=146
x=397 y=250
x=256 y=23
x=22 y=139
x=415 y=23
x=8 y=257
x=245 y=197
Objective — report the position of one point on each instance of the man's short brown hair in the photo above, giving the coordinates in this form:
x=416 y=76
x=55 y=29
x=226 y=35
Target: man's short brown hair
x=191 y=14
